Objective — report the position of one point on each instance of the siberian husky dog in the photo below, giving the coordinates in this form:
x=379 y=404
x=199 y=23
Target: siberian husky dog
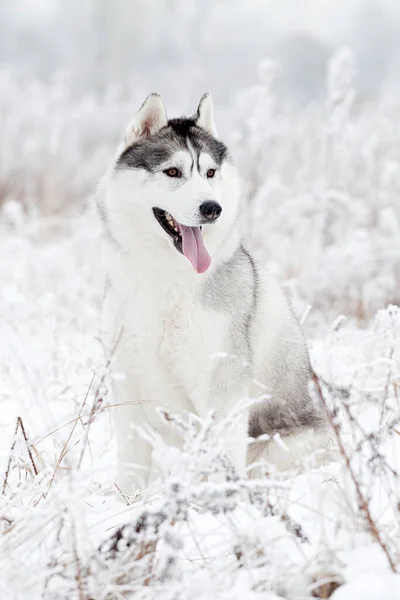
x=194 y=324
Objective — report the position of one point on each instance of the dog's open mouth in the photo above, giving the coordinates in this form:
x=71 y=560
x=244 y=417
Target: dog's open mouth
x=188 y=240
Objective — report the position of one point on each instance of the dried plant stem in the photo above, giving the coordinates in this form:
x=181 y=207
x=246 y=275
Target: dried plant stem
x=79 y=419
x=65 y=448
x=78 y=568
x=362 y=500
x=97 y=398
x=10 y=459
x=19 y=425
x=22 y=427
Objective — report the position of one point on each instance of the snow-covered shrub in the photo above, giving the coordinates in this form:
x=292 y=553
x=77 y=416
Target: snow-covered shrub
x=322 y=189
x=55 y=144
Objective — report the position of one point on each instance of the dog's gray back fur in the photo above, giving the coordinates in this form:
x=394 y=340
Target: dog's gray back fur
x=234 y=288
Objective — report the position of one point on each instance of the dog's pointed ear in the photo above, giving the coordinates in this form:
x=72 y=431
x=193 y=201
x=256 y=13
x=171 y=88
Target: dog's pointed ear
x=150 y=118
x=205 y=115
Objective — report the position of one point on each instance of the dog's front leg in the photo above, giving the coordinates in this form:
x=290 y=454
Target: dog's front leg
x=235 y=430
x=236 y=437
x=133 y=452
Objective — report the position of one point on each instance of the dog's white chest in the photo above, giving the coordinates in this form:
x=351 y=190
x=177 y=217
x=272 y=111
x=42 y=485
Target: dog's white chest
x=169 y=340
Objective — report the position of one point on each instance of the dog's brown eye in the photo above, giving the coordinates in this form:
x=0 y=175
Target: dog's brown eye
x=173 y=172
x=210 y=173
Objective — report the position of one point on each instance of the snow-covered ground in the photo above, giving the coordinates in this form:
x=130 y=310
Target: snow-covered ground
x=321 y=208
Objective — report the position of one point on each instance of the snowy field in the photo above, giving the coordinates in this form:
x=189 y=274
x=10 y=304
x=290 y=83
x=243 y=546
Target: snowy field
x=321 y=208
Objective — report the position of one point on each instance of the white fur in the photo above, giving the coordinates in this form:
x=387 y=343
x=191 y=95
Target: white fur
x=168 y=339
x=307 y=448
x=149 y=119
x=205 y=112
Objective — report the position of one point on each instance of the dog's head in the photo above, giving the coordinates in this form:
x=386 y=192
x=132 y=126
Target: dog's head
x=175 y=179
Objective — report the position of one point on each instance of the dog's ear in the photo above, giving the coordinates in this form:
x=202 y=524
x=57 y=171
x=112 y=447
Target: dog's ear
x=205 y=115
x=150 y=118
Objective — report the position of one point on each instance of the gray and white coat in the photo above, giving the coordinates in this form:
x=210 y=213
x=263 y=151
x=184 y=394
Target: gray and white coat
x=199 y=324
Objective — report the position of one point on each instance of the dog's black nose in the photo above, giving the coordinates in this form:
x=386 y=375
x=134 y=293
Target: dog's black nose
x=210 y=210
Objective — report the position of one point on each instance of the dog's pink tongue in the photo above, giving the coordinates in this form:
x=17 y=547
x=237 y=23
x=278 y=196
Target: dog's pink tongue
x=194 y=249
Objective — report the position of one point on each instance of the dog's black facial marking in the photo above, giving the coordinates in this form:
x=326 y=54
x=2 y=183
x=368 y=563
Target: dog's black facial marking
x=182 y=126
x=169 y=225
x=201 y=140
x=152 y=152
x=144 y=154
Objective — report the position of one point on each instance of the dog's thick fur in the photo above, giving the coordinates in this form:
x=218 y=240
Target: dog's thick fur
x=187 y=340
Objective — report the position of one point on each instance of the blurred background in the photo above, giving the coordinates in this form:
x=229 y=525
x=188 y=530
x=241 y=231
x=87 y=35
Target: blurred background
x=193 y=45
x=306 y=95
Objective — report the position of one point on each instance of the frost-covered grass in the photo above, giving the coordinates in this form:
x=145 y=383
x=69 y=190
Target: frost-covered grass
x=321 y=193
x=323 y=185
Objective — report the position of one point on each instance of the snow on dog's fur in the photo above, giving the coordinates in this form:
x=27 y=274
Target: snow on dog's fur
x=195 y=323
